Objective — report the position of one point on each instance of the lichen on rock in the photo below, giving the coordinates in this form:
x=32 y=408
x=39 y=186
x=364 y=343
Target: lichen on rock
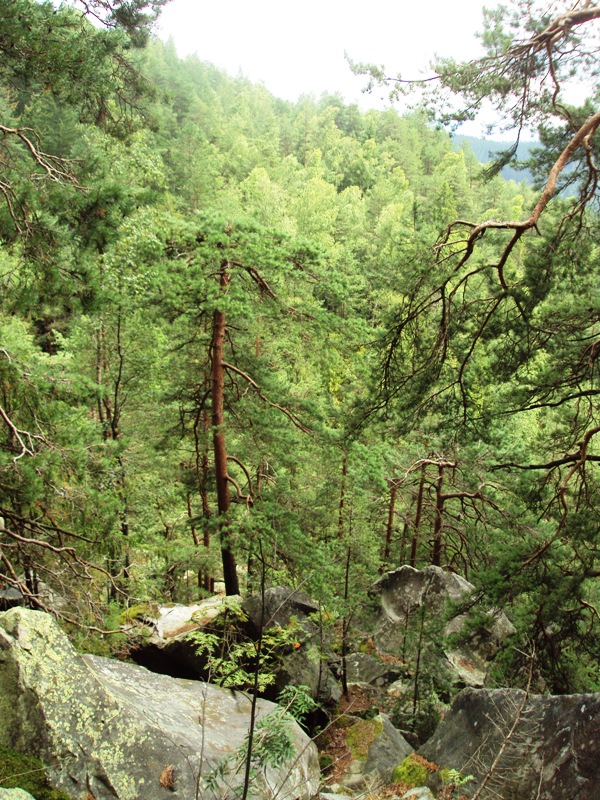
x=109 y=728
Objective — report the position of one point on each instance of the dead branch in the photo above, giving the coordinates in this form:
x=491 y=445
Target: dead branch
x=256 y=277
x=244 y=469
x=55 y=168
x=561 y=494
x=509 y=735
x=581 y=138
x=558 y=29
x=25 y=439
x=251 y=382
x=246 y=498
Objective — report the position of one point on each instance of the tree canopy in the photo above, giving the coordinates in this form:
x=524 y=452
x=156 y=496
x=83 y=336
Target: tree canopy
x=241 y=334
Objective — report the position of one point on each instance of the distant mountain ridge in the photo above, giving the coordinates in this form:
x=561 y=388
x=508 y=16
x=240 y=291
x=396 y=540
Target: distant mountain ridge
x=486 y=149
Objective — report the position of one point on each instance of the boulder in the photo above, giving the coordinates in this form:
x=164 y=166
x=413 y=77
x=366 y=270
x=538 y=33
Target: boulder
x=281 y=604
x=547 y=746
x=15 y=794
x=305 y=665
x=411 y=597
x=365 y=668
x=161 y=635
x=376 y=748
x=10 y=597
x=110 y=730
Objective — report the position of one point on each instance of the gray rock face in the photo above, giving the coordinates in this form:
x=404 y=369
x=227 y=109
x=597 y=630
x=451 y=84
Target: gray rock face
x=118 y=731
x=405 y=589
x=9 y=598
x=406 y=592
x=364 y=668
x=418 y=793
x=552 y=754
x=281 y=604
x=387 y=751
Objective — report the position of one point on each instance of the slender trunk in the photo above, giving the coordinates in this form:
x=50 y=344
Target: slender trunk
x=342 y=496
x=112 y=420
x=124 y=521
x=196 y=541
x=251 y=558
x=219 y=443
x=390 y=523
x=418 y=664
x=439 y=518
x=415 y=539
x=201 y=449
x=209 y=581
x=191 y=517
x=203 y=480
x=345 y=629
x=403 y=543
x=257 y=667
x=99 y=379
x=115 y=417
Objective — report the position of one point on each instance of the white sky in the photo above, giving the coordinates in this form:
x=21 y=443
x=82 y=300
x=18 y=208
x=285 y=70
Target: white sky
x=298 y=47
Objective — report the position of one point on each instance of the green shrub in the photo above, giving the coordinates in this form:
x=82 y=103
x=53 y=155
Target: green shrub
x=453 y=778
x=297 y=701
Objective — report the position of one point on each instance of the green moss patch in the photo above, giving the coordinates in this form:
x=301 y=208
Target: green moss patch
x=26 y=772
x=135 y=612
x=362 y=735
x=411 y=773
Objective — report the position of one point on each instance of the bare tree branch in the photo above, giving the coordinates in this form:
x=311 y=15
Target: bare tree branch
x=259 y=392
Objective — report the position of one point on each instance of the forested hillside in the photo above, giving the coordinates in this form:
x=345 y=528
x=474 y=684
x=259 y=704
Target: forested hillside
x=239 y=341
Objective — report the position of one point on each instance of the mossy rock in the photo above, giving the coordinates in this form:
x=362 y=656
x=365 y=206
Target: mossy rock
x=18 y=771
x=411 y=773
x=132 y=613
x=362 y=735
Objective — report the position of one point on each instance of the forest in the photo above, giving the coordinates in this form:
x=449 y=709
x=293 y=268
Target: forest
x=249 y=341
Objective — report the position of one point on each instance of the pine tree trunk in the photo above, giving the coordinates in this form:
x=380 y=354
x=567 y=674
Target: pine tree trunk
x=205 y=581
x=390 y=524
x=342 y=496
x=219 y=443
x=415 y=540
x=439 y=512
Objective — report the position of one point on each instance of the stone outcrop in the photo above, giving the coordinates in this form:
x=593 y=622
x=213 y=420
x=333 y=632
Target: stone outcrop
x=160 y=636
x=410 y=597
x=161 y=642
x=377 y=748
x=552 y=752
x=418 y=793
x=116 y=731
x=281 y=604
